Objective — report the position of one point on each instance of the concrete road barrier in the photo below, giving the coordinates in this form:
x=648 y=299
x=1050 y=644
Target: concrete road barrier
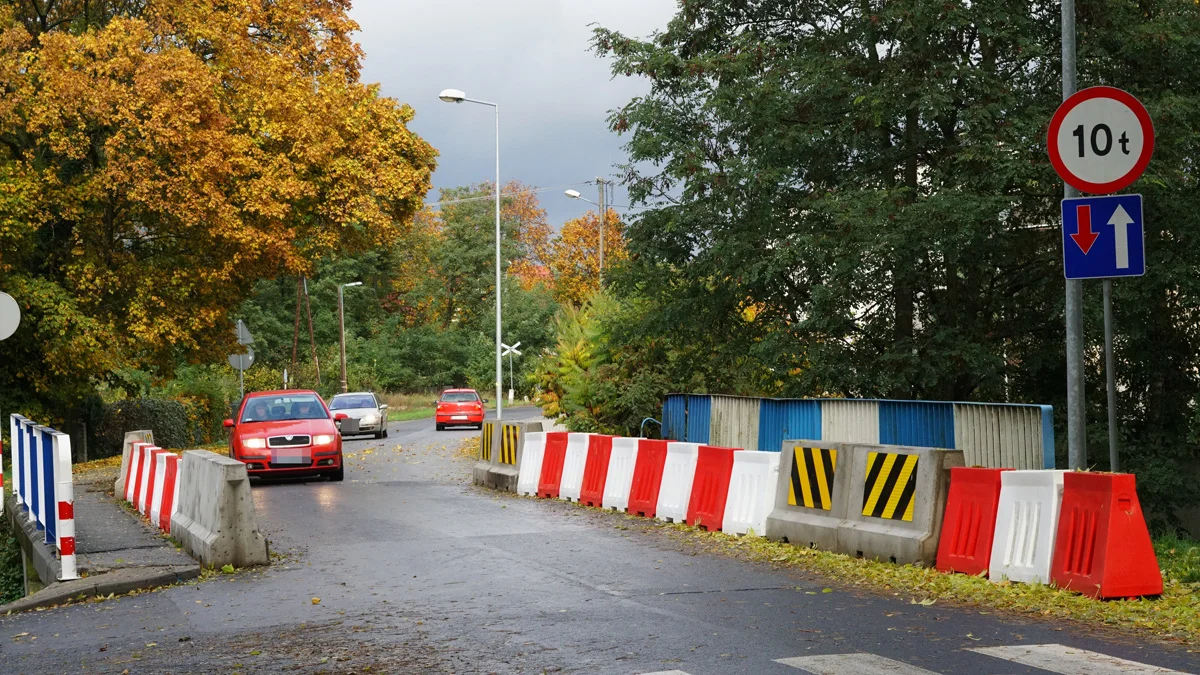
x=488 y=437
x=897 y=499
x=505 y=470
x=812 y=496
x=131 y=437
x=215 y=521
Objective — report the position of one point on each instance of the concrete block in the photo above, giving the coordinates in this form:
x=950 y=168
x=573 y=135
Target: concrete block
x=896 y=503
x=131 y=437
x=216 y=522
x=505 y=469
x=489 y=437
x=812 y=495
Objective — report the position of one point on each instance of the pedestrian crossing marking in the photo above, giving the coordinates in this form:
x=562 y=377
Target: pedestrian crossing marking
x=852 y=664
x=1071 y=661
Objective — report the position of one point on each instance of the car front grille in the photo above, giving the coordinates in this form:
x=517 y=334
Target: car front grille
x=289 y=441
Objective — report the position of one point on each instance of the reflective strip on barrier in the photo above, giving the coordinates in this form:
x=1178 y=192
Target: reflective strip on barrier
x=811 y=477
x=531 y=463
x=1026 y=525
x=891 y=480
x=679 y=472
x=752 y=488
x=621 y=462
x=510 y=435
x=485 y=441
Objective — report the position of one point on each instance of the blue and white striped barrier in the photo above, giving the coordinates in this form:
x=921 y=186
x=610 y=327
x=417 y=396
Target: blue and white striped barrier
x=43 y=486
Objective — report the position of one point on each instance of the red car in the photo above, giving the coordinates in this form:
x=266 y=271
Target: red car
x=286 y=433
x=459 y=408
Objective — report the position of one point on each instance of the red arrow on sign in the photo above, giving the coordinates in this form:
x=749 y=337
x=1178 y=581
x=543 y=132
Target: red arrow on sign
x=1084 y=237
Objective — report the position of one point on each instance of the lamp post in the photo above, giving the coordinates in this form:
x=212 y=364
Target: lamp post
x=342 y=330
x=603 y=211
x=456 y=96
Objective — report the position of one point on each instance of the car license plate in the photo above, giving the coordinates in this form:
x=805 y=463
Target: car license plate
x=459 y=417
x=292 y=459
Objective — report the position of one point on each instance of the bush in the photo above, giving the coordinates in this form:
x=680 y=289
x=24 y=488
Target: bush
x=12 y=581
x=166 y=418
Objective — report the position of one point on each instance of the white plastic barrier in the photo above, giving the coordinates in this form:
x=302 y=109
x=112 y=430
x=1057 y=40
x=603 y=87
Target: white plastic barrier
x=531 y=463
x=752 y=488
x=149 y=458
x=121 y=485
x=573 y=466
x=1026 y=525
x=620 y=473
x=133 y=469
x=678 y=473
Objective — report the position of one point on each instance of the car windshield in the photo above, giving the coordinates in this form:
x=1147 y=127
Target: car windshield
x=460 y=397
x=346 y=401
x=291 y=407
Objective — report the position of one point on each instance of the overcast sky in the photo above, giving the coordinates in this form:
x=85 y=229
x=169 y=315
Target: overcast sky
x=530 y=56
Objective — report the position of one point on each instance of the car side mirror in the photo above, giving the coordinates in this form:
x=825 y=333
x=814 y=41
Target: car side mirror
x=486 y=401
x=383 y=406
x=229 y=424
x=340 y=416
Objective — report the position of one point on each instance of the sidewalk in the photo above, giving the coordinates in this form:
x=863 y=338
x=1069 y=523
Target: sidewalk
x=116 y=552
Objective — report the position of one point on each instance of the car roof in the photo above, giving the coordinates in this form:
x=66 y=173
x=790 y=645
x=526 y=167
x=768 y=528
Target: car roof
x=459 y=391
x=282 y=392
x=356 y=393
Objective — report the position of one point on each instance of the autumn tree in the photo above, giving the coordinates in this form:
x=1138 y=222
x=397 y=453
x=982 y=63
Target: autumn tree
x=574 y=257
x=159 y=157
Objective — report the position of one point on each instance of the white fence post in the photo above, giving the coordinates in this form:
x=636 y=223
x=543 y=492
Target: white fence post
x=64 y=506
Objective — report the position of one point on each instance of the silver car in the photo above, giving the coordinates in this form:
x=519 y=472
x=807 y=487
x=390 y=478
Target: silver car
x=364 y=414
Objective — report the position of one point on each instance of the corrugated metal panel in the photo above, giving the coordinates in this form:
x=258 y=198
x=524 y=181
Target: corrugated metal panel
x=674 y=417
x=699 y=418
x=850 y=421
x=1002 y=436
x=784 y=419
x=918 y=423
x=734 y=422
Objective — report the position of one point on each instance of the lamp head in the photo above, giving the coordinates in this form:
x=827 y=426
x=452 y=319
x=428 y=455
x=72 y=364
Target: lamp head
x=452 y=96
x=351 y=285
x=573 y=194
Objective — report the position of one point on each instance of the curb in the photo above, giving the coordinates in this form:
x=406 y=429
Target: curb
x=118 y=582
x=45 y=561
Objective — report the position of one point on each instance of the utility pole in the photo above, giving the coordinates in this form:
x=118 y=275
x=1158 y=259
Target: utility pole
x=296 y=328
x=603 y=185
x=342 y=330
x=1076 y=410
x=312 y=338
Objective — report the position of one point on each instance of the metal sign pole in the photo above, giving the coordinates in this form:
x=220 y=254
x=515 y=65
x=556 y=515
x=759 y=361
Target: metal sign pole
x=1076 y=410
x=1110 y=369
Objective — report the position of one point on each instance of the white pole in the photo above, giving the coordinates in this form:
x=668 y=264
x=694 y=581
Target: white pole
x=64 y=507
x=499 y=361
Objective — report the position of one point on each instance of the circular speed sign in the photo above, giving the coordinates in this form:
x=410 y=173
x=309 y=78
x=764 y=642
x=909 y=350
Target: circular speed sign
x=1100 y=140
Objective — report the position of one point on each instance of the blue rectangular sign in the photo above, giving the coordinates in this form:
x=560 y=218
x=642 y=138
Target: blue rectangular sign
x=1103 y=237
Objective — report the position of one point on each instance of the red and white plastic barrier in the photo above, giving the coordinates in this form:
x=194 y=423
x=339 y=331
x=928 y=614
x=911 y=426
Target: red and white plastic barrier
x=152 y=483
x=163 y=502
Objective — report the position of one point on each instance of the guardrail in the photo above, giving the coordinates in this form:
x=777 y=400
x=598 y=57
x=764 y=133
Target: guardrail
x=43 y=486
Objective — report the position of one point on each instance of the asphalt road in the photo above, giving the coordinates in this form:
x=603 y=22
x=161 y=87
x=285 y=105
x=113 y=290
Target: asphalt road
x=418 y=572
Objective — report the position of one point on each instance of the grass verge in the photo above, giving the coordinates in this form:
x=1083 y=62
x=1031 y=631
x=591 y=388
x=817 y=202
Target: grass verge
x=1174 y=615
x=411 y=414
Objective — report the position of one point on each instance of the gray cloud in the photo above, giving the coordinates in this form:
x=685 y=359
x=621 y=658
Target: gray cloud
x=530 y=56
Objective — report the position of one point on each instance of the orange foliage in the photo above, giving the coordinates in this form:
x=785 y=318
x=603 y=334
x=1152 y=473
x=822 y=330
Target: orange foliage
x=575 y=255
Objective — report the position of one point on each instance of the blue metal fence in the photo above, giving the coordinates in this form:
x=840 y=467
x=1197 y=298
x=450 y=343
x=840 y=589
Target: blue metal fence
x=674 y=417
x=699 y=418
x=919 y=423
x=782 y=419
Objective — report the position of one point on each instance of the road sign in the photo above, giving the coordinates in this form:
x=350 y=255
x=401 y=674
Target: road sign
x=1100 y=140
x=243 y=334
x=1103 y=237
x=242 y=361
x=510 y=350
x=10 y=316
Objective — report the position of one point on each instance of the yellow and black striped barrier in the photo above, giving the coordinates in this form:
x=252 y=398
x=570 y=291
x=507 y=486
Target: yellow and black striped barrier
x=811 y=477
x=485 y=441
x=891 y=481
x=509 y=437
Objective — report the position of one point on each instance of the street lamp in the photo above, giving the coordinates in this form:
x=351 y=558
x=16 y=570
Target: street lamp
x=342 y=330
x=603 y=211
x=457 y=96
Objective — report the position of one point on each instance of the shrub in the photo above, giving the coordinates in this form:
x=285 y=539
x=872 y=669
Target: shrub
x=168 y=420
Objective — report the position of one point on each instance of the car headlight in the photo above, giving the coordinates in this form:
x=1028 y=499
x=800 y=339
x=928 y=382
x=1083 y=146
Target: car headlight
x=369 y=419
x=323 y=439
x=254 y=443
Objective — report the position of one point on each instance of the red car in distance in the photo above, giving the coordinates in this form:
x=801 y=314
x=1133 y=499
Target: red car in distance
x=286 y=433
x=459 y=408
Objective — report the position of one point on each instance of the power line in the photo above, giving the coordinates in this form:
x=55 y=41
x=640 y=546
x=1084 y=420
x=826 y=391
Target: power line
x=509 y=194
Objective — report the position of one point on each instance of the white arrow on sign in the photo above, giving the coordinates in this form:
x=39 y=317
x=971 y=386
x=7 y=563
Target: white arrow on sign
x=1121 y=221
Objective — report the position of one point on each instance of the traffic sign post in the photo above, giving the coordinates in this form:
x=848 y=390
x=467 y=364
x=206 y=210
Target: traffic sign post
x=242 y=362
x=1100 y=141
x=509 y=351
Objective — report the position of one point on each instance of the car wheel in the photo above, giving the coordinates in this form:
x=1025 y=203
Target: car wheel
x=385 y=433
x=380 y=434
x=338 y=474
x=440 y=427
